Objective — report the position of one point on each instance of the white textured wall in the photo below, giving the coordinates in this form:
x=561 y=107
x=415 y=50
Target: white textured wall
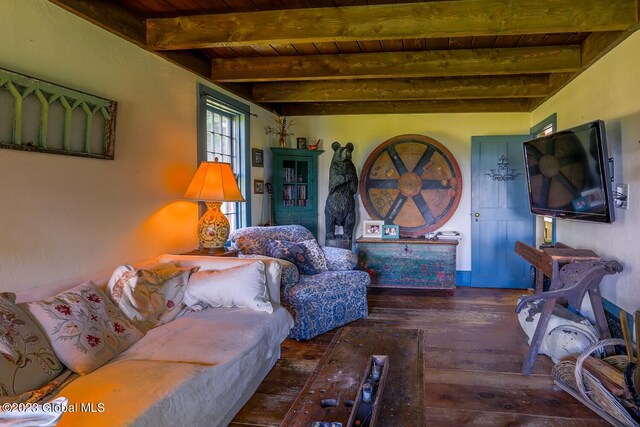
x=366 y=132
x=62 y=217
x=609 y=90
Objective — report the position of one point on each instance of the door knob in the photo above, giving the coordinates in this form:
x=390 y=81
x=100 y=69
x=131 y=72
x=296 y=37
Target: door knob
x=477 y=214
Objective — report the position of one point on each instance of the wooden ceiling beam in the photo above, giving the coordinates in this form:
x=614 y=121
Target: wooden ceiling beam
x=530 y=86
x=124 y=23
x=458 y=18
x=108 y=15
x=434 y=63
x=405 y=107
x=128 y=25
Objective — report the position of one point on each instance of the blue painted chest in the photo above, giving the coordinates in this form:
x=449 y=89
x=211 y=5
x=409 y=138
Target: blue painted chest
x=409 y=263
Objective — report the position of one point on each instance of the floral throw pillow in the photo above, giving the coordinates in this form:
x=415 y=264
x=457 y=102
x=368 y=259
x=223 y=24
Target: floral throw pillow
x=85 y=328
x=316 y=255
x=296 y=253
x=27 y=360
x=150 y=297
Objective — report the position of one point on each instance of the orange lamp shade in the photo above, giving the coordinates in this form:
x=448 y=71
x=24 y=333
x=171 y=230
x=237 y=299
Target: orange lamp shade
x=213 y=183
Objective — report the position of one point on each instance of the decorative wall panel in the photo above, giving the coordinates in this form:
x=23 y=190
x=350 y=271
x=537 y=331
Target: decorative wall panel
x=40 y=116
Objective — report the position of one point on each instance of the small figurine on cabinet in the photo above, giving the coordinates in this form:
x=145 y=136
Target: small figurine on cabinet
x=340 y=207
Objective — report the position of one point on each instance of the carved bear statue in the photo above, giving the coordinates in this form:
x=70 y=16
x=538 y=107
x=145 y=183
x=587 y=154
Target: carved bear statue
x=343 y=185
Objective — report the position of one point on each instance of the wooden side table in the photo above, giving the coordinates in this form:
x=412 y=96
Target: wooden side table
x=226 y=252
x=549 y=260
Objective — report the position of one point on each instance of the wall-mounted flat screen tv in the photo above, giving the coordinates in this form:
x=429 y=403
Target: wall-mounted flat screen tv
x=568 y=174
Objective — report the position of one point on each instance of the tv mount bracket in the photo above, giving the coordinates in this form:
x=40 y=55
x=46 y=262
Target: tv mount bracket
x=611 y=168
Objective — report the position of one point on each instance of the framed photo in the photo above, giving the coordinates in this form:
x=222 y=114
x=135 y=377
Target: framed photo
x=372 y=229
x=390 y=231
x=257 y=158
x=258 y=186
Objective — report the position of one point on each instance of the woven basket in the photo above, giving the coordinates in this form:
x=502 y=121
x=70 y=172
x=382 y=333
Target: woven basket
x=590 y=387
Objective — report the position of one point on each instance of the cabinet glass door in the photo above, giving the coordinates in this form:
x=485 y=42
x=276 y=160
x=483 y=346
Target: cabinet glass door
x=295 y=183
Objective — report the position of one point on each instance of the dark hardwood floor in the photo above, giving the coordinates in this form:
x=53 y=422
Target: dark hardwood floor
x=475 y=349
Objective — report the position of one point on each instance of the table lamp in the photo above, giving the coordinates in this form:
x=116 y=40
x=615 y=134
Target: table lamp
x=214 y=183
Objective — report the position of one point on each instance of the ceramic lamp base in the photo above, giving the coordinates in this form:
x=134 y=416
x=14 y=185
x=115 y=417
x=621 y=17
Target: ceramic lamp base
x=213 y=227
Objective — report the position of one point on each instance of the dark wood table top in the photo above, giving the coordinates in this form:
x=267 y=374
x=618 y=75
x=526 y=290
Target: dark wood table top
x=339 y=373
x=542 y=259
x=223 y=252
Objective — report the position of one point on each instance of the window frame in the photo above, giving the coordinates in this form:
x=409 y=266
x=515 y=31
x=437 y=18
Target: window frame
x=228 y=106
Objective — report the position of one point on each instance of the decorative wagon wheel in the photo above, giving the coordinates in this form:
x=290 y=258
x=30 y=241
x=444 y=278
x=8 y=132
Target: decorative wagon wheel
x=412 y=181
x=560 y=173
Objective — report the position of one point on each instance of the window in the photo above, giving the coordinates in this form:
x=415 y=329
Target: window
x=223 y=133
x=545 y=127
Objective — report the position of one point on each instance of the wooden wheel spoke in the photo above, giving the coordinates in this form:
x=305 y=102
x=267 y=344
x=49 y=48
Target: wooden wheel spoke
x=383 y=183
x=424 y=160
x=534 y=170
x=566 y=183
x=567 y=160
x=422 y=206
x=546 y=187
x=397 y=161
x=433 y=184
x=535 y=152
x=395 y=208
x=551 y=147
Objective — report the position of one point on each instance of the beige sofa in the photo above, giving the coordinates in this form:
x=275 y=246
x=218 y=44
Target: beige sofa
x=197 y=370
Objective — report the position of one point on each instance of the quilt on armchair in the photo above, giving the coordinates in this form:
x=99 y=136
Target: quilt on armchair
x=320 y=302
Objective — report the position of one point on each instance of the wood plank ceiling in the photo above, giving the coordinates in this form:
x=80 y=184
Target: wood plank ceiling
x=314 y=57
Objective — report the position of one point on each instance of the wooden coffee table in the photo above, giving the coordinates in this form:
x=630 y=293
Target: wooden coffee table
x=340 y=371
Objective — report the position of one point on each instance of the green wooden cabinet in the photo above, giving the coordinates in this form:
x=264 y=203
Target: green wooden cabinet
x=295 y=187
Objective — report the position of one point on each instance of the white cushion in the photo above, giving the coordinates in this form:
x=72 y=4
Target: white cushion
x=85 y=328
x=243 y=286
x=273 y=269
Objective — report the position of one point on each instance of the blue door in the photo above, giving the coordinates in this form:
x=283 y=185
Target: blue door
x=500 y=213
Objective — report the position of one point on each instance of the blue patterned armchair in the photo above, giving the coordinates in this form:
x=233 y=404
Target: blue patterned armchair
x=320 y=302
